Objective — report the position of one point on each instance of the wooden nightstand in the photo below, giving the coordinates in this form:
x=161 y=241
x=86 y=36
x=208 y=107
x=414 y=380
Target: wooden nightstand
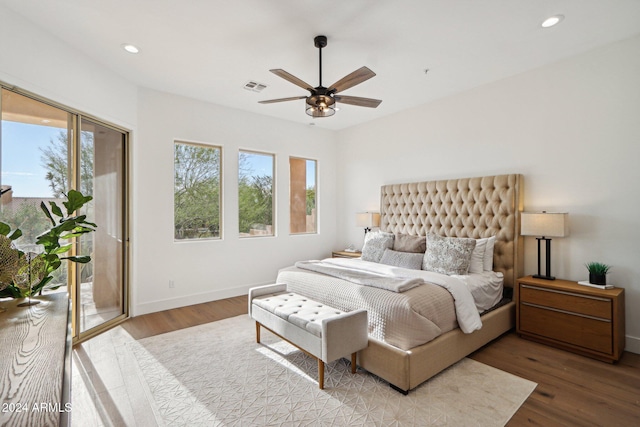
x=346 y=254
x=570 y=316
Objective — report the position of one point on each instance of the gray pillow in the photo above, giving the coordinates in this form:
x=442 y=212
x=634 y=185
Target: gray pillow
x=448 y=255
x=408 y=243
x=375 y=242
x=409 y=260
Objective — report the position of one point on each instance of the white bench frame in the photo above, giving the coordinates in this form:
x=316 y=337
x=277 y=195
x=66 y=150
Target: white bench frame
x=342 y=334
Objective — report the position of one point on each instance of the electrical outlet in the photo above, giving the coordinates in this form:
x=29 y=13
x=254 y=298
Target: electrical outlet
x=172 y=284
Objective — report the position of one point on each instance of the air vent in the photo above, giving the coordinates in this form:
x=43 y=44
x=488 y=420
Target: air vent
x=254 y=86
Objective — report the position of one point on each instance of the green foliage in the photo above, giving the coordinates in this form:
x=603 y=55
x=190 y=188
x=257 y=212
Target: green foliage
x=55 y=157
x=27 y=217
x=255 y=202
x=64 y=226
x=598 y=268
x=311 y=199
x=196 y=191
x=255 y=196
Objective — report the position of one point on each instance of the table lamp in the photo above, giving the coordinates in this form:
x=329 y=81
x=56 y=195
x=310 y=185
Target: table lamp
x=367 y=220
x=544 y=225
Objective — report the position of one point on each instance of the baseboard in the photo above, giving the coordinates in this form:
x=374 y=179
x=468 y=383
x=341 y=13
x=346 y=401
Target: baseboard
x=632 y=345
x=183 y=301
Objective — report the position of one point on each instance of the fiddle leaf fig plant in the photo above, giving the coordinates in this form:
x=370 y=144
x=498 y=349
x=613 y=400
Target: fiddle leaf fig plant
x=64 y=227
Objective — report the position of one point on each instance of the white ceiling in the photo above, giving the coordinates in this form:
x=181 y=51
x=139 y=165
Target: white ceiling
x=208 y=49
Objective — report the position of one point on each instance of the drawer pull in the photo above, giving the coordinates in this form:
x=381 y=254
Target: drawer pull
x=573 y=294
x=566 y=312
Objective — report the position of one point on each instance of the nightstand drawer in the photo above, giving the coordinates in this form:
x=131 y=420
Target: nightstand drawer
x=566 y=327
x=567 y=301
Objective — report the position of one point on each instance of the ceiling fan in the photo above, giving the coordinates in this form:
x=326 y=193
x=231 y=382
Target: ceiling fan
x=321 y=102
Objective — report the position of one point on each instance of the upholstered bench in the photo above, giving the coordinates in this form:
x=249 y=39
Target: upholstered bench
x=317 y=329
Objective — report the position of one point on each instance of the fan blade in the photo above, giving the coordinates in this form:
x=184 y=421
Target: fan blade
x=293 y=79
x=271 y=101
x=350 y=80
x=356 y=100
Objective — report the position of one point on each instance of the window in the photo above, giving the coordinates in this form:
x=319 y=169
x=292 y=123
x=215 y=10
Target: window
x=197 y=188
x=255 y=194
x=45 y=151
x=302 y=196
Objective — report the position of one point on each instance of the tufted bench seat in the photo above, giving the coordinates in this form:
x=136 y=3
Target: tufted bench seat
x=317 y=329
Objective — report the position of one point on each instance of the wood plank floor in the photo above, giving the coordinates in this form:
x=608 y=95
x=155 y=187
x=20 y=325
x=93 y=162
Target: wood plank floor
x=572 y=390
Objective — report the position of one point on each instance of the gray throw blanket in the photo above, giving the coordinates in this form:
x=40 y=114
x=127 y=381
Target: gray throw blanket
x=361 y=277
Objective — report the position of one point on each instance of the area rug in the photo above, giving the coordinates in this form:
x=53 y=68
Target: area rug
x=217 y=375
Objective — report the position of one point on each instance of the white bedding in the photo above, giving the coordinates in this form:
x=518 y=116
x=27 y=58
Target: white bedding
x=486 y=288
x=466 y=311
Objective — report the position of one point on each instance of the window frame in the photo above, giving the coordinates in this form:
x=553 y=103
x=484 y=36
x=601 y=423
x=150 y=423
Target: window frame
x=306 y=159
x=273 y=193
x=77 y=336
x=220 y=191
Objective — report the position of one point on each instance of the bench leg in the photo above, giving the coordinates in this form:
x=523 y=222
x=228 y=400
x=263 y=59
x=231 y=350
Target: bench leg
x=258 y=332
x=353 y=363
x=321 y=374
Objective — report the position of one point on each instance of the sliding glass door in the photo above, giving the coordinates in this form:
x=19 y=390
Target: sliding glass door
x=45 y=151
x=101 y=294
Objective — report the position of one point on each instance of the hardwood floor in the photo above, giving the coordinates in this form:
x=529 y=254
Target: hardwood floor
x=572 y=390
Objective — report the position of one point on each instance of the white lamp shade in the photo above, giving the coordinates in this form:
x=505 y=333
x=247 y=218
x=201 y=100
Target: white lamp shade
x=368 y=219
x=544 y=224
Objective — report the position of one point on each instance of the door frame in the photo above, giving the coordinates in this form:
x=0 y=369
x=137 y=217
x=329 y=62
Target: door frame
x=73 y=289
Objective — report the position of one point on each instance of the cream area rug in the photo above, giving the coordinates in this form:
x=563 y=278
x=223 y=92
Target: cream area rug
x=217 y=375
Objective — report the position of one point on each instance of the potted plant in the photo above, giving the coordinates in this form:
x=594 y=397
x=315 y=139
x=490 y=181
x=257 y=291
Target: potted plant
x=24 y=275
x=598 y=273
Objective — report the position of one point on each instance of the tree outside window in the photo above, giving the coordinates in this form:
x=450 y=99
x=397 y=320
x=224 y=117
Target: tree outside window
x=255 y=194
x=197 y=188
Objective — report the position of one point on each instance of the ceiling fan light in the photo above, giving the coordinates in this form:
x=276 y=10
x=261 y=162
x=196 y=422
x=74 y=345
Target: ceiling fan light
x=320 y=106
x=314 y=111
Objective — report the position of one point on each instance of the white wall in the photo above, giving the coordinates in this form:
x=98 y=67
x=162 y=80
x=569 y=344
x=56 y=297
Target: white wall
x=215 y=269
x=571 y=128
x=36 y=61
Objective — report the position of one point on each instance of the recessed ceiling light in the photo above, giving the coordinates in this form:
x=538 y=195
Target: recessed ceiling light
x=552 y=20
x=130 y=48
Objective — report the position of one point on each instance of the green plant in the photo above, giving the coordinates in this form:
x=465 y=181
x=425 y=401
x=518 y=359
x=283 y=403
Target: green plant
x=598 y=268
x=22 y=269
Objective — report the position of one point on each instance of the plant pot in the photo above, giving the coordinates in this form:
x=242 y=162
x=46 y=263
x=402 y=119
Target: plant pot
x=598 y=279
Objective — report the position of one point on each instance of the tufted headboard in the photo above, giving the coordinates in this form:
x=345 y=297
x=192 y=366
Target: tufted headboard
x=469 y=207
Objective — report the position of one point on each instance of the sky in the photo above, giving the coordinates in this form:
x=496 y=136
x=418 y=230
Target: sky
x=21 y=164
x=262 y=164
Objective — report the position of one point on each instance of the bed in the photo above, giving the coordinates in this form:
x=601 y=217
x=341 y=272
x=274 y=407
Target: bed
x=410 y=350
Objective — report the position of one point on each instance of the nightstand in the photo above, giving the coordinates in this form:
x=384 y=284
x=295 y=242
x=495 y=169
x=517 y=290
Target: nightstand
x=577 y=318
x=346 y=254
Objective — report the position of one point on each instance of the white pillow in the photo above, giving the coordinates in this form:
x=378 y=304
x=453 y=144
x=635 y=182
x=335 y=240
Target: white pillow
x=410 y=260
x=448 y=255
x=488 y=253
x=375 y=242
x=477 y=256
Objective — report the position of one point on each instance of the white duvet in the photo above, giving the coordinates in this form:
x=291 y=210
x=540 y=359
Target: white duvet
x=465 y=306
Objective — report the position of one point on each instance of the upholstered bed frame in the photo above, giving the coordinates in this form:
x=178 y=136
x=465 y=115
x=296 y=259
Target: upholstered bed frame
x=471 y=207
